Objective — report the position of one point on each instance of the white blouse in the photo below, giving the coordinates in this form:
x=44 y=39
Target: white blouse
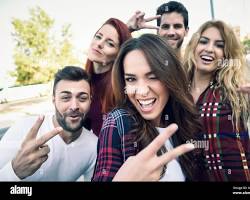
x=173 y=171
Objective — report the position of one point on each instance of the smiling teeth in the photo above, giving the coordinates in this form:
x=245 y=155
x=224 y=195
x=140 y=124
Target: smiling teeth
x=207 y=58
x=146 y=102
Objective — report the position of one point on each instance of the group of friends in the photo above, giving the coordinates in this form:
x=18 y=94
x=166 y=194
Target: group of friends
x=139 y=109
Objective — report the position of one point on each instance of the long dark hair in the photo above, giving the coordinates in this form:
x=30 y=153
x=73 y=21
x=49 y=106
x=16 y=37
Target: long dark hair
x=107 y=97
x=180 y=107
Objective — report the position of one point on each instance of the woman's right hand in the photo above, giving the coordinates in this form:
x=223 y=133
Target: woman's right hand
x=146 y=165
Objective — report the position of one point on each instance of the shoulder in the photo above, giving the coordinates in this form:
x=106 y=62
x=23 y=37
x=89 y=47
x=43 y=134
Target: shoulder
x=118 y=114
x=27 y=121
x=118 y=117
x=89 y=136
x=87 y=142
x=20 y=128
x=119 y=120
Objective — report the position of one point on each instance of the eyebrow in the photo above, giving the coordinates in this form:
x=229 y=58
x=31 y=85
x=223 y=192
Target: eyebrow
x=169 y=24
x=172 y=24
x=147 y=74
x=209 y=39
x=80 y=93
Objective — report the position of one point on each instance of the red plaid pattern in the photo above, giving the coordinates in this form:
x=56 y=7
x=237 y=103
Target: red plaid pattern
x=115 y=144
x=227 y=158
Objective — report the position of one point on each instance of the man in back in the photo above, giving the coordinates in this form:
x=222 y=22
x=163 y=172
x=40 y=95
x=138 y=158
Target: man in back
x=172 y=23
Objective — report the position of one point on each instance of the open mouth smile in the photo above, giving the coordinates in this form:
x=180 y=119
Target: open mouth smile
x=146 y=105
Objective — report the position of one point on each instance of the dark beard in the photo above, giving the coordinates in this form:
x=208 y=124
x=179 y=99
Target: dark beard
x=61 y=119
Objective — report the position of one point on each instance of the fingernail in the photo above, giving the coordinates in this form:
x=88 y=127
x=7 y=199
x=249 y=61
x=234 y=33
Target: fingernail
x=190 y=146
x=175 y=126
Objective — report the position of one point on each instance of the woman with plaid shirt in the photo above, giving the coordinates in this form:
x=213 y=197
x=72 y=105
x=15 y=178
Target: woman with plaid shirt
x=149 y=97
x=217 y=72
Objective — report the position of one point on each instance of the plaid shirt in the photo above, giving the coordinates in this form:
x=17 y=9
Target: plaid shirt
x=228 y=157
x=115 y=144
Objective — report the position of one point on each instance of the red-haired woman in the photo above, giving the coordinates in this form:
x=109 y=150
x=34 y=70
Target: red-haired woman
x=101 y=55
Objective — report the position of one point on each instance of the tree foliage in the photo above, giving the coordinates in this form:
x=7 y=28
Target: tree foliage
x=246 y=44
x=38 y=53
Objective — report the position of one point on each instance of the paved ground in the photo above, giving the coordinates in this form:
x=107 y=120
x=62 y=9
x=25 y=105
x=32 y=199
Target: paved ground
x=13 y=111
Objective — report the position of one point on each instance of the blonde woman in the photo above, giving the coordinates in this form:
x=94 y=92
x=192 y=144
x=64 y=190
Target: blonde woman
x=217 y=73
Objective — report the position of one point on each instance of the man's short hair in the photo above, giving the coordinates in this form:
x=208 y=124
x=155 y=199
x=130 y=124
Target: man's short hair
x=71 y=73
x=173 y=6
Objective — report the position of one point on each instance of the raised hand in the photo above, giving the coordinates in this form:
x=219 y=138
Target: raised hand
x=146 y=165
x=137 y=21
x=33 y=152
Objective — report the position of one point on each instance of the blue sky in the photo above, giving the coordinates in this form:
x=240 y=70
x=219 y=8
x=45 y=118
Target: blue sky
x=87 y=16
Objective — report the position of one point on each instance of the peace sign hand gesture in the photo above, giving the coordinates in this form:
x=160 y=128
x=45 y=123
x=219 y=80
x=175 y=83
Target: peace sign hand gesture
x=137 y=22
x=146 y=165
x=33 y=152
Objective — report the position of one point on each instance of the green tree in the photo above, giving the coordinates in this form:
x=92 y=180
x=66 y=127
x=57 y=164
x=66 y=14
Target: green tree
x=38 y=54
x=246 y=44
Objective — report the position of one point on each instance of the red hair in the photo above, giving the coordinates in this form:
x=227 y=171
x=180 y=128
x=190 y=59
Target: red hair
x=107 y=96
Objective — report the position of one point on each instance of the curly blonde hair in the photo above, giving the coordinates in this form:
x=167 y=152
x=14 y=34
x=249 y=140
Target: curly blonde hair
x=231 y=72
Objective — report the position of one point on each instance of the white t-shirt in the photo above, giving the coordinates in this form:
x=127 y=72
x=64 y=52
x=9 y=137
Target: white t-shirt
x=173 y=171
x=66 y=162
